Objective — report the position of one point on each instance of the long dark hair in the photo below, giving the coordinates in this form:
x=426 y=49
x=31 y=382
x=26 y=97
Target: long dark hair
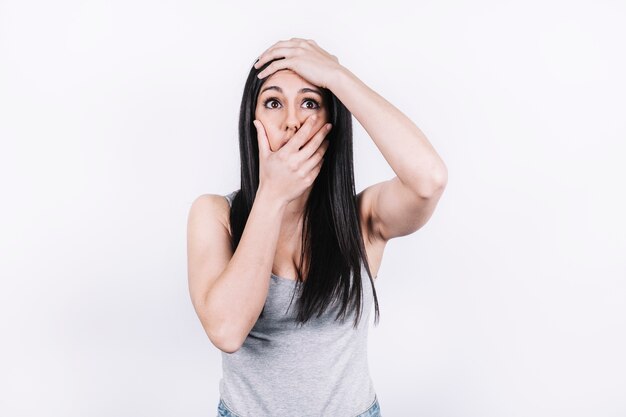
x=331 y=235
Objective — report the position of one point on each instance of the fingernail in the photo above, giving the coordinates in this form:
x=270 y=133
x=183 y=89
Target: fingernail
x=329 y=126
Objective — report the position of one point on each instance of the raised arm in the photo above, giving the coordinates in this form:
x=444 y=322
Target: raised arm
x=401 y=205
x=404 y=203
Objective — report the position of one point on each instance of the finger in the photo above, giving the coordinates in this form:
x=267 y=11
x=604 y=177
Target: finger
x=317 y=156
x=276 y=45
x=264 y=147
x=310 y=170
x=313 y=145
x=303 y=43
x=275 y=53
x=262 y=59
x=316 y=169
x=277 y=65
x=302 y=136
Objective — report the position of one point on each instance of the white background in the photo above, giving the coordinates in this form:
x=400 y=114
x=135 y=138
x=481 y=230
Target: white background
x=116 y=115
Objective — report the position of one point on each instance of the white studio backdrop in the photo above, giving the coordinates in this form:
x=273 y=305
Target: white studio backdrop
x=116 y=115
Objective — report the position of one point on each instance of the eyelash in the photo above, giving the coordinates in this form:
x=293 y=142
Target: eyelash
x=267 y=100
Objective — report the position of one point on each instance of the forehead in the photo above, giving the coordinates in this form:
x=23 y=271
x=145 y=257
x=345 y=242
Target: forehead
x=288 y=81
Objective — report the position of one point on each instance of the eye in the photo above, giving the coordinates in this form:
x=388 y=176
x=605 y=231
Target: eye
x=306 y=101
x=315 y=103
x=268 y=100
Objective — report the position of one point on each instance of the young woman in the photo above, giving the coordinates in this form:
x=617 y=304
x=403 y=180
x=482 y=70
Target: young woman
x=296 y=230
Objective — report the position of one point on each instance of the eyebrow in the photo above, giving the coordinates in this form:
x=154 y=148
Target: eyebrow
x=280 y=90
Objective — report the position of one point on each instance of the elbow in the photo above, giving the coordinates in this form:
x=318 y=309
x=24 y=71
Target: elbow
x=434 y=186
x=226 y=346
x=441 y=178
x=219 y=329
x=224 y=340
x=440 y=182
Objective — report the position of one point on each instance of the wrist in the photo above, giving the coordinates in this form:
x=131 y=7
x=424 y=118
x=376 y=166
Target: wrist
x=266 y=197
x=344 y=85
x=338 y=76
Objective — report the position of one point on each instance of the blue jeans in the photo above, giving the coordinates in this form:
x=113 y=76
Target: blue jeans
x=373 y=411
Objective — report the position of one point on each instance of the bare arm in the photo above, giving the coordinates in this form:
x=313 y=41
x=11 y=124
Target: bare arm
x=230 y=304
x=403 y=204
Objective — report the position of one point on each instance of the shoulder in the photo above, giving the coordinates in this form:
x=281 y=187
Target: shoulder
x=209 y=208
x=210 y=201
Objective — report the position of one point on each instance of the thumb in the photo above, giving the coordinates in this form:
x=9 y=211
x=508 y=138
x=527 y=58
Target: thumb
x=264 y=147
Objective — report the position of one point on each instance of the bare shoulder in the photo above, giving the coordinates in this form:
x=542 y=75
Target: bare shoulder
x=208 y=246
x=210 y=208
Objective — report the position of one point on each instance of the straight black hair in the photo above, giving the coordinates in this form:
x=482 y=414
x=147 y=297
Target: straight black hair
x=331 y=235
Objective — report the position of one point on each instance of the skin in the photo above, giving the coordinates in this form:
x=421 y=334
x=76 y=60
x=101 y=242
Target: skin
x=388 y=209
x=282 y=117
x=403 y=204
x=227 y=292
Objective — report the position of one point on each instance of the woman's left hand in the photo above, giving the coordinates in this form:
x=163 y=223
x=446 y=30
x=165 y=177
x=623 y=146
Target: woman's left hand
x=303 y=56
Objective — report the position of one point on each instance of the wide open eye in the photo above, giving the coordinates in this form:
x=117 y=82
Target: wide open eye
x=316 y=105
x=309 y=103
x=268 y=100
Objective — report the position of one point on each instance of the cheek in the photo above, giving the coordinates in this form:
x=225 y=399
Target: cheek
x=270 y=125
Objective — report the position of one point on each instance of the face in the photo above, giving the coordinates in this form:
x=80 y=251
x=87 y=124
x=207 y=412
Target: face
x=285 y=101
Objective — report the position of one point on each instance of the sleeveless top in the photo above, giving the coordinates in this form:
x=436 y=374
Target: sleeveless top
x=285 y=370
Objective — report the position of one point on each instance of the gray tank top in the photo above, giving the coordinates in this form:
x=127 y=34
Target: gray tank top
x=313 y=370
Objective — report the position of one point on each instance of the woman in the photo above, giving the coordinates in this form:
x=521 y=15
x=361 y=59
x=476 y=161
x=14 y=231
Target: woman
x=296 y=228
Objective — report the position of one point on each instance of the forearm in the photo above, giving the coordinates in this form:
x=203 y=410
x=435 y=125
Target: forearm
x=239 y=293
x=403 y=145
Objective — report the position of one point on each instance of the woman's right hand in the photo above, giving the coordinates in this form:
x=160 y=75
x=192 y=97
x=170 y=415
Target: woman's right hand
x=289 y=171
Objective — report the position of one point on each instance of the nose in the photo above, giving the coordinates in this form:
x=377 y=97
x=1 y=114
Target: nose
x=292 y=120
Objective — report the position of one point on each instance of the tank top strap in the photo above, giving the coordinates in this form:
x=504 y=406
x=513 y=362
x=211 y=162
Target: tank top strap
x=230 y=197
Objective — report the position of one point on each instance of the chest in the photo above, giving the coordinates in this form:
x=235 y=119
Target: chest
x=287 y=256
